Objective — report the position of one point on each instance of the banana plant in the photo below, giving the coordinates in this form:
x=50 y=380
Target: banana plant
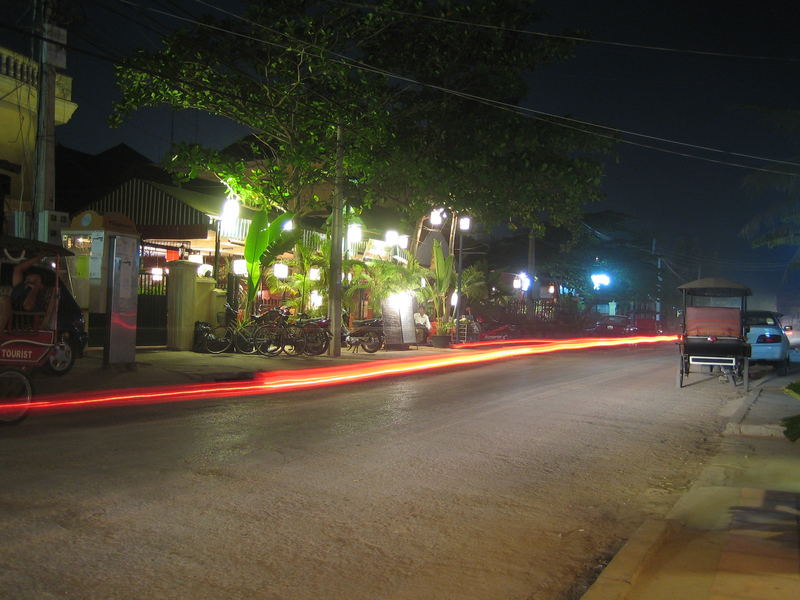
x=265 y=241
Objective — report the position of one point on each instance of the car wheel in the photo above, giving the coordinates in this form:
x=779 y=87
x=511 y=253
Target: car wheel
x=60 y=360
x=782 y=367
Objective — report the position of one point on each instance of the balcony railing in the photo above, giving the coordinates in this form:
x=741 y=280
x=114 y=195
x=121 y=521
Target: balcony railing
x=26 y=71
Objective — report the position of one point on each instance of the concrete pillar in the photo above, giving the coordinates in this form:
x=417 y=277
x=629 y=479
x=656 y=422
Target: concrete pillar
x=181 y=302
x=203 y=300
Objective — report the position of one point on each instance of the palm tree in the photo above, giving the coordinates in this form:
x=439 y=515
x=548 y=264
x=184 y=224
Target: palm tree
x=441 y=281
x=382 y=278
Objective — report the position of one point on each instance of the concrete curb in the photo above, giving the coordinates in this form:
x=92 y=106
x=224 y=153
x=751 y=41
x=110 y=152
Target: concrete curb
x=736 y=425
x=619 y=577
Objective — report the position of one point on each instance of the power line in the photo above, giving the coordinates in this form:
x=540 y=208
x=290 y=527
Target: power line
x=551 y=118
x=570 y=38
x=190 y=84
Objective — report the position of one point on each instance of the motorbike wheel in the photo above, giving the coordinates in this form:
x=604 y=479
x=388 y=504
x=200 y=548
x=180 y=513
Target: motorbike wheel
x=16 y=393
x=371 y=342
x=60 y=359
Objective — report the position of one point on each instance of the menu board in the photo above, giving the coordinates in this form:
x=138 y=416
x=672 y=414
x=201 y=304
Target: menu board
x=398 y=324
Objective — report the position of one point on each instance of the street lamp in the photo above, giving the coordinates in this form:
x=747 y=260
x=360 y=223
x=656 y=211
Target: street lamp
x=464 y=223
x=599 y=279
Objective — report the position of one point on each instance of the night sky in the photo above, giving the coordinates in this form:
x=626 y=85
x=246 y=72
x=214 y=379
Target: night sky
x=702 y=100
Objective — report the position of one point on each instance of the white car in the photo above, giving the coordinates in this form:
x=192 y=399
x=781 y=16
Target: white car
x=767 y=338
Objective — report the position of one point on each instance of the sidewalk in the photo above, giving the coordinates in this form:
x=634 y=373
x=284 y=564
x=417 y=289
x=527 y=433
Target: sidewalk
x=157 y=366
x=736 y=532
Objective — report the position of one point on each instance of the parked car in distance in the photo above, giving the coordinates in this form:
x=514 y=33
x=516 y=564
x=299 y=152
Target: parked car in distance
x=767 y=338
x=612 y=326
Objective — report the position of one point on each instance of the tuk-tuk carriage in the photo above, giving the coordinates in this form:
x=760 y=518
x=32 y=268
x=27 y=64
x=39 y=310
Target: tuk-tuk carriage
x=29 y=339
x=714 y=336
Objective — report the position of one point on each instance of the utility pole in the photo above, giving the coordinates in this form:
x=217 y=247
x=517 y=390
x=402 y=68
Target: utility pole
x=337 y=237
x=49 y=55
x=531 y=272
x=659 y=279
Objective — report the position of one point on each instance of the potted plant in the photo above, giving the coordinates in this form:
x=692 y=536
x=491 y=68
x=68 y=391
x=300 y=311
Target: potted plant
x=444 y=331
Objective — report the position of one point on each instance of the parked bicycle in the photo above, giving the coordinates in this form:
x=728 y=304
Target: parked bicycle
x=275 y=334
x=232 y=333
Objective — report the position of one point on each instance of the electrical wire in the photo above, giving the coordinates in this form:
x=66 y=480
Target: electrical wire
x=539 y=115
x=99 y=56
x=570 y=38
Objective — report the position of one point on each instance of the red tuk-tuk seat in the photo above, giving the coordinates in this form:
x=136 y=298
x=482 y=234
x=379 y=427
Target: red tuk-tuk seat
x=705 y=321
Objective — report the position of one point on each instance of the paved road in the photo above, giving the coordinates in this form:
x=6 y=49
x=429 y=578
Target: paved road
x=512 y=480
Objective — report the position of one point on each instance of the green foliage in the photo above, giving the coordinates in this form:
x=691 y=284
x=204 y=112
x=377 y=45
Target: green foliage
x=474 y=283
x=441 y=282
x=276 y=74
x=478 y=157
x=382 y=278
x=445 y=326
x=287 y=80
x=264 y=239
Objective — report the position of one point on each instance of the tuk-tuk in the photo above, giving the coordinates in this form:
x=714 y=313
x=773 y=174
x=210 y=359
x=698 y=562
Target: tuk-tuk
x=31 y=340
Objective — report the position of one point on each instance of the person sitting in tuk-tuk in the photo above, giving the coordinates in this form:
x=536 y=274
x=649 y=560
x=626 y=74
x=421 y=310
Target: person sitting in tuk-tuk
x=28 y=295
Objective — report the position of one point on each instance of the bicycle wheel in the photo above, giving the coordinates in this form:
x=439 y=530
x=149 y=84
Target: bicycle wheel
x=294 y=340
x=219 y=340
x=371 y=342
x=267 y=339
x=244 y=339
x=16 y=393
x=316 y=339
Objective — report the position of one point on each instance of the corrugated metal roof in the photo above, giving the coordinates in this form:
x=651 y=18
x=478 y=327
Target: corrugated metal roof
x=148 y=203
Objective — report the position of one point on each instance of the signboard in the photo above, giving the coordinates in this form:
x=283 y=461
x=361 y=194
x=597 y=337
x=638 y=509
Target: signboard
x=25 y=348
x=398 y=321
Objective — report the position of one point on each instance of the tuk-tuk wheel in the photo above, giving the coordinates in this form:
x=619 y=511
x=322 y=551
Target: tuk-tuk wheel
x=60 y=359
x=16 y=393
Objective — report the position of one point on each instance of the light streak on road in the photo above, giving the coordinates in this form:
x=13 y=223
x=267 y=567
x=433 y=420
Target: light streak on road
x=271 y=382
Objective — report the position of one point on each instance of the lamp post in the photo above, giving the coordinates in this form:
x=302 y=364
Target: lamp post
x=463 y=225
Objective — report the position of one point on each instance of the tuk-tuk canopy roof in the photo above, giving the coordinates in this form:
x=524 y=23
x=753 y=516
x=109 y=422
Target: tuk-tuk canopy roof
x=715 y=287
x=14 y=247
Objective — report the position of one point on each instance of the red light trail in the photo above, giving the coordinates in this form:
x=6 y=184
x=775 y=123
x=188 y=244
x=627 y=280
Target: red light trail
x=270 y=382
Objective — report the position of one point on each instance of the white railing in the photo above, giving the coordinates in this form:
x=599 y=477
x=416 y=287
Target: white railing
x=17 y=67
x=26 y=70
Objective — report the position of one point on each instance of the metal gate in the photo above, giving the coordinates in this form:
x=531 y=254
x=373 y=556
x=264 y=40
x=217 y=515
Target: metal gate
x=151 y=315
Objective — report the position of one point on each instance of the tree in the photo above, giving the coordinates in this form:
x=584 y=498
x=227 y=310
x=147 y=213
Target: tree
x=275 y=72
x=457 y=138
x=428 y=106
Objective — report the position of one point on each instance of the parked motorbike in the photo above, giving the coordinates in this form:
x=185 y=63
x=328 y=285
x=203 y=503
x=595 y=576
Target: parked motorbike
x=366 y=334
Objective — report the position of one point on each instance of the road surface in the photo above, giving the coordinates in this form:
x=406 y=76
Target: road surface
x=512 y=480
